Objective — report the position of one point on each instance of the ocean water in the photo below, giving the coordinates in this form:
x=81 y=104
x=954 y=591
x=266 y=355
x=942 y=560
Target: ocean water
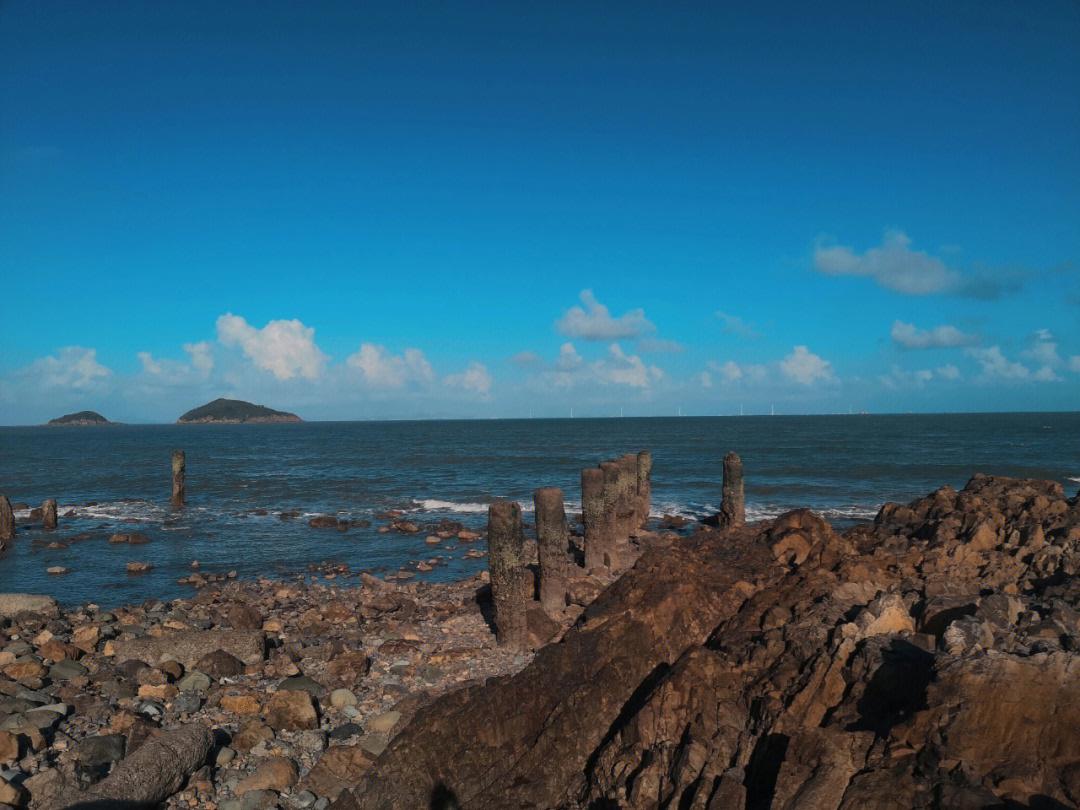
x=843 y=466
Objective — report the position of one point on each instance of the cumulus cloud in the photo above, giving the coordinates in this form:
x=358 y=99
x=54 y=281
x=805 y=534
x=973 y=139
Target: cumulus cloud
x=523 y=359
x=1043 y=352
x=285 y=348
x=1074 y=363
x=940 y=337
x=594 y=322
x=623 y=369
x=71 y=367
x=475 y=378
x=734 y=325
x=894 y=265
x=948 y=372
x=805 y=367
x=704 y=379
x=569 y=359
x=201 y=360
x=655 y=346
x=995 y=366
x=149 y=364
x=382 y=369
x=898 y=378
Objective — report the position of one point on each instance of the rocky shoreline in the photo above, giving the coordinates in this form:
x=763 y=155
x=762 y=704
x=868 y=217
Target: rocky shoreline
x=927 y=660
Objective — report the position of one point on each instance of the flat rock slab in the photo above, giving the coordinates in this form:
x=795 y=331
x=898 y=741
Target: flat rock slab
x=189 y=646
x=13 y=603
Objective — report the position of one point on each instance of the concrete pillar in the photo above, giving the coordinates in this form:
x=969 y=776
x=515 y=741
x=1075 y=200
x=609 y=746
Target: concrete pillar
x=507 y=565
x=48 y=514
x=592 y=515
x=552 y=540
x=609 y=520
x=644 y=487
x=733 y=503
x=179 y=471
x=7 y=519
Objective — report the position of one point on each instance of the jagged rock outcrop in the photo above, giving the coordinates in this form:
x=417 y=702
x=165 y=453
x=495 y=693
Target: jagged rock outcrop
x=929 y=660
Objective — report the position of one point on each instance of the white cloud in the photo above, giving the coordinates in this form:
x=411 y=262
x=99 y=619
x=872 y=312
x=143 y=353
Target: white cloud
x=655 y=346
x=201 y=360
x=897 y=378
x=149 y=364
x=623 y=369
x=909 y=337
x=475 y=377
x=569 y=359
x=525 y=358
x=72 y=367
x=806 y=367
x=995 y=366
x=594 y=322
x=948 y=372
x=382 y=369
x=735 y=325
x=1046 y=374
x=705 y=378
x=284 y=348
x=1043 y=352
x=1043 y=349
x=1074 y=363
x=893 y=265
x=728 y=371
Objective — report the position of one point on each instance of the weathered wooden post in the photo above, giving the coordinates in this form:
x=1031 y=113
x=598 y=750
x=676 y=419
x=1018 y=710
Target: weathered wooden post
x=610 y=516
x=7 y=519
x=552 y=541
x=733 y=503
x=644 y=487
x=48 y=514
x=506 y=563
x=592 y=515
x=179 y=470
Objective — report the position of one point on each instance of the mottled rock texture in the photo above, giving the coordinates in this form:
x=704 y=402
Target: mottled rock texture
x=929 y=660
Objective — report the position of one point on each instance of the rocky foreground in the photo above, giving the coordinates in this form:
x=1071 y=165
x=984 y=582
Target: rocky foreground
x=929 y=660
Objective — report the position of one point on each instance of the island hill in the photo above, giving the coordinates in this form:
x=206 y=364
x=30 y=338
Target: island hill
x=232 y=412
x=82 y=419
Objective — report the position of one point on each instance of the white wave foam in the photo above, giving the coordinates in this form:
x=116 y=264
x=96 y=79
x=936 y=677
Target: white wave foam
x=1075 y=478
x=435 y=505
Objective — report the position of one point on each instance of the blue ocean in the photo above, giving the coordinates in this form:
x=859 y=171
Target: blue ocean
x=241 y=477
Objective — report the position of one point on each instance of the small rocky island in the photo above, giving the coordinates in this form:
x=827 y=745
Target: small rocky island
x=82 y=418
x=234 y=411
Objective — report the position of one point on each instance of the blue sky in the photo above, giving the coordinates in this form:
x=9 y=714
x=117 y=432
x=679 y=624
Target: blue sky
x=395 y=210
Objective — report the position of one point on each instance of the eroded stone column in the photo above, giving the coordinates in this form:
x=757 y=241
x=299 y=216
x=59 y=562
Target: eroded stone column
x=644 y=487
x=552 y=541
x=507 y=566
x=733 y=503
x=627 y=496
x=179 y=472
x=7 y=519
x=48 y=514
x=592 y=515
x=609 y=519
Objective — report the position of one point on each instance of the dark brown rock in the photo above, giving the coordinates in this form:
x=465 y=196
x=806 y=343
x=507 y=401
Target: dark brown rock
x=508 y=580
x=552 y=542
x=179 y=473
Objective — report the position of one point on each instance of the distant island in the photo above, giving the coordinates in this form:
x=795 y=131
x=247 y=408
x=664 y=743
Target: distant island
x=234 y=411
x=82 y=418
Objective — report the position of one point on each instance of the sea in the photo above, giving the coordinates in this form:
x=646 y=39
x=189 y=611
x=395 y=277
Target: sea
x=117 y=479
